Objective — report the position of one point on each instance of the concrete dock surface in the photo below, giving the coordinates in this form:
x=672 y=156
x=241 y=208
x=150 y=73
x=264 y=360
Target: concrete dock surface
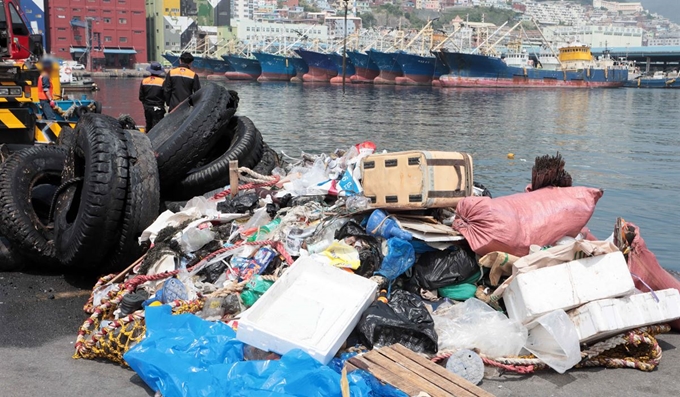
x=40 y=315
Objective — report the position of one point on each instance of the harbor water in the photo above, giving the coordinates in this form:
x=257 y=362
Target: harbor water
x=625 y=141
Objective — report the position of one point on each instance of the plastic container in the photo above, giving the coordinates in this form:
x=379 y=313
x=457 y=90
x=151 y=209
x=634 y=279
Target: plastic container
x=380 y=225
x=554 y=340
x=607 y=317
x=567 y=286
x=312 y=307
x=466 y=364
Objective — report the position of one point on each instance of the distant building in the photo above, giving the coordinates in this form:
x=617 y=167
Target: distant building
x=248 y=29
x=178 y=33
x=555 y=12
x=428 y=5
x=665 y=39
x=117 y=33
x=336 y=26
x=597 y=36
x=625 y=8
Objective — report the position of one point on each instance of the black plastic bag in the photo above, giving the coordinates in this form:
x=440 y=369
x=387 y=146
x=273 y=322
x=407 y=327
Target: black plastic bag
x=370 y=254
x=437 y=269
x=241 y=204
x=403 y=320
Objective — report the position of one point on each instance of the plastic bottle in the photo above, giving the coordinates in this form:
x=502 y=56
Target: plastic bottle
x=327 y=236
x=380 y=225
x=357 y=203
x=263 y=232
x=194 y=239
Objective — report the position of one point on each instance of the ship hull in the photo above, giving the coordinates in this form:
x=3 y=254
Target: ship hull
x=300 y=69
x=653 y=83
x=388 y=65
x=275 y=67
x=472 y=70
x=349 y=69
x=365 y=70
x=321 y=66
x=419 y=70
x=216 y=66
x=242 y=68
x=173 y=59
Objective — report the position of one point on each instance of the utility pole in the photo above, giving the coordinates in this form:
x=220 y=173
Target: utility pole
x=344 y=49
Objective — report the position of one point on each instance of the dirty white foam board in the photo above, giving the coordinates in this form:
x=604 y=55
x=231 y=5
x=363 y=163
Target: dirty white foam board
x=604 y=318
x=567 y=286
x=312 y=307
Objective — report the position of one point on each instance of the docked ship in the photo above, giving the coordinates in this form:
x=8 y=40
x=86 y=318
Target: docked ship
x=365 y=70
x=578 y=68
x=242 y=68
x=216 y=66
x=657 y=80
x=275 y=67
x=349 y=68
x=321 y=66
x=388 y=65
x=419 y=70
x=300 y=69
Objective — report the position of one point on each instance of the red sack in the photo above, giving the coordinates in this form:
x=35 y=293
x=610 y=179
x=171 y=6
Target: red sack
x=646 y=270
x=512 y=223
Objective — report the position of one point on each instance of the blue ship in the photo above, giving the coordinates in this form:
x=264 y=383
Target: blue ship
x=321 y=66
x=388 y=65
x=654 y=82
x=242 y=68
x=216 y=66
x=419 y=70
x=275 y=67
x=579 y=70
x=172 y=58
x=365 y=69
x=349 y=67
x=199 y=65
x=300 y=68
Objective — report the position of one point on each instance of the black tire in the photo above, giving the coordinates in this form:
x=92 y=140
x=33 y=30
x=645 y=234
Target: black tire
x=67 y=137
x=270 y=160
x=185 y=135
x=97 y=107
x=241 y=141
x=9 y=257
x=142 y=201
x=88 y=213
x=28 y=181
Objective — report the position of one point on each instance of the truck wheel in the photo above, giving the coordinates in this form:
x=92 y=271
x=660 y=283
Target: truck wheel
x=240 y=141
x=142 y=201
x=89 y=211
x=28 y=180
x=66 y=137
x=185 y=135
x=270 y=160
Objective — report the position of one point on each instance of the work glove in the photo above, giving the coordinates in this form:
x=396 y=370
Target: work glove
x=52 y=104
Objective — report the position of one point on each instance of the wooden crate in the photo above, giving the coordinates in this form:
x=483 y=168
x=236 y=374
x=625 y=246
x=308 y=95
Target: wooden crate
x=413 y=374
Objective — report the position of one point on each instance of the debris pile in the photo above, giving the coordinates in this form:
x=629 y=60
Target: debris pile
x=353 y=272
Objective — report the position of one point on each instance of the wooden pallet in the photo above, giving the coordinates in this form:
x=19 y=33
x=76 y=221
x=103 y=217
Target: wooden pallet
x=413 y=374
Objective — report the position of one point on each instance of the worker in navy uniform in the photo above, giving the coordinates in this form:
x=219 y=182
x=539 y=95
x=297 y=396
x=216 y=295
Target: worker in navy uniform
x=152 y=95
x=181 y=82
x=45 y=91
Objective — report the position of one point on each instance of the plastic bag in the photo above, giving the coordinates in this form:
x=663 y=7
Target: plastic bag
x=370 y=254
x=400 y=257
x=512 y=223
x=242 y=203
x=254 y=290
x=439 y=269
x=554 y=340
x=404 y=319
x=339 y=254
x=475 y=325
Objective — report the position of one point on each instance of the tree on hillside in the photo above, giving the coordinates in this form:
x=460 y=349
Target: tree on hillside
x=390 y=9
x=367 y=19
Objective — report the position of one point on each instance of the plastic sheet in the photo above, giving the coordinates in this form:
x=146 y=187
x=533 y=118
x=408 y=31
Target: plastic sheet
x=184 y=356
x=475 y=325
x=404 y=319
x=512 y=223
x=554 y=340
x=444 y=268
x=399 y=258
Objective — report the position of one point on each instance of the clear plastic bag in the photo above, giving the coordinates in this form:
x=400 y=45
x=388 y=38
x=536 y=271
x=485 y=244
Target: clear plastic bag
x=554 y=340
x=475 y=325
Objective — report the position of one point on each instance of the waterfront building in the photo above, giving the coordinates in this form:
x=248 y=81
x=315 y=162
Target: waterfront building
x=248 y=29
x=596 y=36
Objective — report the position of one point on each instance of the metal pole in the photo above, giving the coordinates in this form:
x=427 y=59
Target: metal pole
x=344 y=50
x=88 y=44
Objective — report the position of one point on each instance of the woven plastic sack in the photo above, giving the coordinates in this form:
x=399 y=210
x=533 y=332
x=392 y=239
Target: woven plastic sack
x=512 y=223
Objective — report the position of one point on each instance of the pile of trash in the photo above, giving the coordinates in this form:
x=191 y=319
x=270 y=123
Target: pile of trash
x=317 y=275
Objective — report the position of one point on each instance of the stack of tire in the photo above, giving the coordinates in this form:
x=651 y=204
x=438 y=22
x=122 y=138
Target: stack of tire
x=82 y=204
x=195 y=142
x=85 y=202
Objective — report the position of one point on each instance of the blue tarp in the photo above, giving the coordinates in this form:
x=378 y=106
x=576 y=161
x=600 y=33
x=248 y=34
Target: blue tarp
x=185 y=356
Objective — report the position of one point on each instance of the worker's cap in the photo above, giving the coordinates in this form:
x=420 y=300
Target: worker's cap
x=186 y=57
x=47 y=63
x=155 y=69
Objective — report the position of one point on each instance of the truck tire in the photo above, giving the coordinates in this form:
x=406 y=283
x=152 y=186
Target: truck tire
x=240 y=141
x=270 y=160
x=66 y=137
x=142 y=201
x=89 y=210
x=28 y=180
x=186 y=134
x=9 y=257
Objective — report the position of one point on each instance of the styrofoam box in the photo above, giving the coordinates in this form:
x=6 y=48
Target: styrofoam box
x=607 y=317
x=312 y=307
x=567 y=286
